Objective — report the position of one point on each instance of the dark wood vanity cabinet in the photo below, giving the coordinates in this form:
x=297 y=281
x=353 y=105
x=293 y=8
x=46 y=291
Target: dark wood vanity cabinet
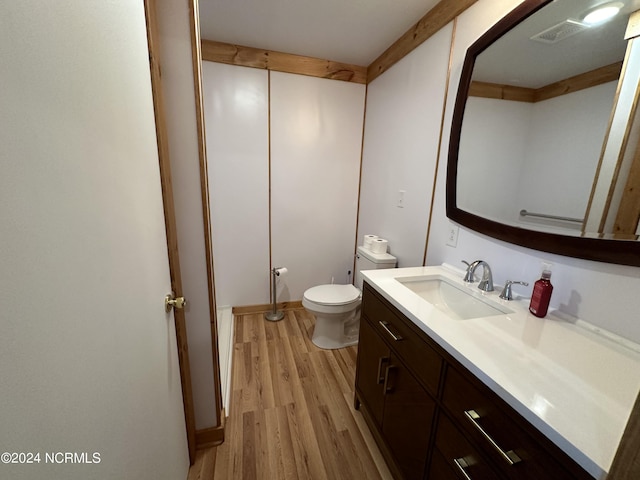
x=455 y=457
x=400 y=408
x=435 y=420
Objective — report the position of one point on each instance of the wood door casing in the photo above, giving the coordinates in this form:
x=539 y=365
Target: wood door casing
x=153 y=40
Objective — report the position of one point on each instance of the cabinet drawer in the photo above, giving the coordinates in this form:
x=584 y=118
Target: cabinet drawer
x=460 y=456
x=484 y=418
x=421 y=358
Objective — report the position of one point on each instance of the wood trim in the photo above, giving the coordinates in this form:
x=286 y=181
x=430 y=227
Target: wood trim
x=440 y=135
x=626 y=463
x=364 y=125
x=608 y=73
x=210 y=437
x=628 y=132
x=502 y=92
x=196 y=59
x=249 y=309
x=153 y=39
x=633 y=27
x=628 y=214
x=281 y=62
x=269 y=200
x=603 y=150
x=626 y=223
x=436 y=18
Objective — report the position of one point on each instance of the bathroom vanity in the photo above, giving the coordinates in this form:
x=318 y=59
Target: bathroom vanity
x=456 y=383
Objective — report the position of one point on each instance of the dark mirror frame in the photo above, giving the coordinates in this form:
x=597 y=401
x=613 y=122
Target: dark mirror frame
x=598 y=249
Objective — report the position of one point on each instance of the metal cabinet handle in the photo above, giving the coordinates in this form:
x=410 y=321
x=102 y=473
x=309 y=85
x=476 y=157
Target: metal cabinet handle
x=388 y=388
x=461 y=464
x=385 y=325
x=511 y=457
x=381 y=361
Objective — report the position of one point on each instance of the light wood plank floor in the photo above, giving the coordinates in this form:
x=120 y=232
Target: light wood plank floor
x=291 y=414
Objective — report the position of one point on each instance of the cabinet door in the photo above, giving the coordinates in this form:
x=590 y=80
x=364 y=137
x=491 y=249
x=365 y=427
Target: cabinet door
x=373 y=360
x=439 y=469
x=407 y=420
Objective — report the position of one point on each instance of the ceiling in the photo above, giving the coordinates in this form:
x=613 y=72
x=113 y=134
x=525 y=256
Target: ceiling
x=515 y=59
x=358 y=31
x=348 y=31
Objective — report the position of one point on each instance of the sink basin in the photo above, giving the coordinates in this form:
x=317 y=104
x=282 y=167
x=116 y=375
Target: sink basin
x=456 y=301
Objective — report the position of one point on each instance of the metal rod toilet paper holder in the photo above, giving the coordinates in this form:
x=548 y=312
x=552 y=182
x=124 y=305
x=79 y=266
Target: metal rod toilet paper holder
x=274 y=315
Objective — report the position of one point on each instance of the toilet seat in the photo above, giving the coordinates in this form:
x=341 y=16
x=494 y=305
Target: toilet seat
x=332 y=294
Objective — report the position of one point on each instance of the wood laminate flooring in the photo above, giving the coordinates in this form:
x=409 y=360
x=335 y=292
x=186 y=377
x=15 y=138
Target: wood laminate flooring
x=291 y=414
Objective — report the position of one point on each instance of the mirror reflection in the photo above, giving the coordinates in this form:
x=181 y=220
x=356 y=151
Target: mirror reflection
x=537 y=122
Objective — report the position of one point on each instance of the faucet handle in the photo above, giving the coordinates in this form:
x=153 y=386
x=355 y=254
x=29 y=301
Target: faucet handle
x=506 y=291
x=468 y=277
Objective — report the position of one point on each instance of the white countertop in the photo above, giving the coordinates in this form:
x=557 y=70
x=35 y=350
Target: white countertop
x=576 y=385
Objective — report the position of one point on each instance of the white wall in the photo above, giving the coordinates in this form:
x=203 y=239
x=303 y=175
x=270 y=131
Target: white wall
x=236 y=101
x=403 y=115
x=88 y=357
x=316 y=131
x=513 y=147
x=177 y=80
x=315 y=127
x=599 y=293
x=400 y=150
x=569 y=131
x=487 y=124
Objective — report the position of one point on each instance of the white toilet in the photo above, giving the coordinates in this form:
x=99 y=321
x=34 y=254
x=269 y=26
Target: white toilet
x=337 y=307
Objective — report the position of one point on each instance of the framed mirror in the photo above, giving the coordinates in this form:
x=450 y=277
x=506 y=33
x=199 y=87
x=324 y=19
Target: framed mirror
x=540 y=111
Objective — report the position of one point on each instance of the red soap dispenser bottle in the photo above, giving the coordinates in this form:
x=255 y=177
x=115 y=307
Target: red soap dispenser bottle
x=541 y=295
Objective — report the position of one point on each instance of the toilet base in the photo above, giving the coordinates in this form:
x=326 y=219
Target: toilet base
x=328 y=344
x=332 y=332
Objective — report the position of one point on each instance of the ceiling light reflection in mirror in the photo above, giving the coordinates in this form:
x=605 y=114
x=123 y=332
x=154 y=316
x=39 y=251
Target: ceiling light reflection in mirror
x=602 y=13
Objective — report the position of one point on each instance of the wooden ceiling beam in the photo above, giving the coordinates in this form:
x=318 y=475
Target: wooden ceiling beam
x=282 y=62
x=436 y=18
x=608 y=73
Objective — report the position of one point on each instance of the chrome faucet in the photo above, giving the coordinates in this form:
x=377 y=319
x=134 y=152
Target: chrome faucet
x=506 y=291
x=486 y=284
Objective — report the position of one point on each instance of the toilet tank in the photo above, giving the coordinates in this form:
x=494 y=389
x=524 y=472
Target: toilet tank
x=367 y=260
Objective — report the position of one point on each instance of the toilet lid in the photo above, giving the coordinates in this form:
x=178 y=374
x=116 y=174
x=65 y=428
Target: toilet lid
x=332 y=294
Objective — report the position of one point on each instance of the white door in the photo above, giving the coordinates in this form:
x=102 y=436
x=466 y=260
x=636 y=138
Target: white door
x=89 y=377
